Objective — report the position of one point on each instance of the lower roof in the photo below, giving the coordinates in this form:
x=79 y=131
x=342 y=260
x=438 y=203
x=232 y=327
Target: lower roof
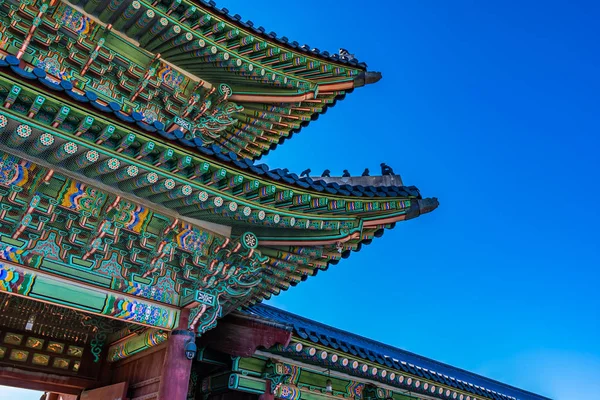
x=389 y=355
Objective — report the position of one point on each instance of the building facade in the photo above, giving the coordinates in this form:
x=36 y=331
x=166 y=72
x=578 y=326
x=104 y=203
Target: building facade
x=135 y=215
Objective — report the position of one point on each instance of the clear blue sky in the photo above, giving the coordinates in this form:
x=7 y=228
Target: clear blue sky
x=494 y=108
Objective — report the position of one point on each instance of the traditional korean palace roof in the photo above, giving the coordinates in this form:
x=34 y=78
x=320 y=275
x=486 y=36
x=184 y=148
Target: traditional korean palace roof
x=282 y=209
x=314 y=342
x=129 y=133
x=188 y=71
x=283 y=41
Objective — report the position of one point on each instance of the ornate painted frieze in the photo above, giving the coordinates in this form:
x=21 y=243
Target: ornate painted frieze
x=136 y=344
x=137 y=58
x=335 y=359
x=42 y=286
x=234 y=270
x=218 y=192
x=118 y=136
x=288 y=380
x=73 y=229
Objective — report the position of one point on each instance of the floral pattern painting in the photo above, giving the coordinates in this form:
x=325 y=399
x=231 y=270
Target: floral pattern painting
x=76 y=21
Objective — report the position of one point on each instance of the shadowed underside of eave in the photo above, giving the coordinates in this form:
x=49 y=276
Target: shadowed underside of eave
x=278 y=86
x=448 y=382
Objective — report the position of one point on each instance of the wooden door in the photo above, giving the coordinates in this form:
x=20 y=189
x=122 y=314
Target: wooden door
x=113 y=392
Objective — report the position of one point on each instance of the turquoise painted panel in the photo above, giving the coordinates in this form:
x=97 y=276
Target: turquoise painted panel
x=75 y=296
x=76 y=273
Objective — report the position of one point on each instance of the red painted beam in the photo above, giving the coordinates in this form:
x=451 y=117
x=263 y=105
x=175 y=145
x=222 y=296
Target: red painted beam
x=49 y=382
x=241 y=336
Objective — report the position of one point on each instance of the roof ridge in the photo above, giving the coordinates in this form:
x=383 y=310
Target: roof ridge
x=214 y=151
x=283 y=40
x=469 y=373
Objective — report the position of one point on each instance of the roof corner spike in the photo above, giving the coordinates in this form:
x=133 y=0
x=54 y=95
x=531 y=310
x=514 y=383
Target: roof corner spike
x=367 y=78
x=428 y=205
x=422 y=206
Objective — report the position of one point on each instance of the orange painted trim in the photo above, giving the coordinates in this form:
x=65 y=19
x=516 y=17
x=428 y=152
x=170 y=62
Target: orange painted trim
x=355 y=235
x=259 y=98
x=124 y=338
x=390 y=220
x=336 y=87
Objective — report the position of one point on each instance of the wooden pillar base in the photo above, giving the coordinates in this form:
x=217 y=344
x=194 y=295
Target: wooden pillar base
x=176 y=367
x=267 y=395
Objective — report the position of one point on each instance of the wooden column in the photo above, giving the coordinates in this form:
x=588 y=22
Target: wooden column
x=267 y=395
x=176 y=369
x=67 y=397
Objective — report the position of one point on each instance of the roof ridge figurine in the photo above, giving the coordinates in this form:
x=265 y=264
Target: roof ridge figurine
x=305 y=173
x=128 y=159
x=386 y=170
x=345 y=55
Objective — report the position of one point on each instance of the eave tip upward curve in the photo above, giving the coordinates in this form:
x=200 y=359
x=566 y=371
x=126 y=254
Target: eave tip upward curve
x=367 y=78
x=428 y=205
x=422 y=206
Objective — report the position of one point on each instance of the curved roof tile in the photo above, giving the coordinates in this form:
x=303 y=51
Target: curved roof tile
x=236 y=19
x=382 y=353
x=213 y=151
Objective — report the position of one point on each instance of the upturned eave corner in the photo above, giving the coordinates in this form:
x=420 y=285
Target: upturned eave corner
x=367 y=78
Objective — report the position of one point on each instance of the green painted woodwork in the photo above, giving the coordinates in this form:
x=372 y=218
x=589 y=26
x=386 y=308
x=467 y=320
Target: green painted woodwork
x=12 y=242
x=241 y=264
x=306 y=395
x=324 y=359
x=293 y=273
x=313 y=379
x=133 y=53
x=209 y=356
x=294 y=382
x=216 y=383
x=259 y=196
x=75 y=296
x=39 y=285
x=125 y=66
x=145 y=281
x=391 y=396
x=250 y=365
x=246 y=384
x=115 y=209
x=81 y=275
x=90 y=237
x=136 y=344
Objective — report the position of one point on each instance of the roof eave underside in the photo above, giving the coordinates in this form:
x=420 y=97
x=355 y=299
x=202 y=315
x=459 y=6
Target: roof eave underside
x=307 y=81
x=211 y=6
x=320 y=333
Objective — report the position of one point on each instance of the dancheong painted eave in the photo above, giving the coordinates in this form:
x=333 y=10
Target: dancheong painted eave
x=132 y=128
x=268 y=87
x=367 y=358
x=289 y=214
x=132 y=204
x=113 y=80
x=281 y=40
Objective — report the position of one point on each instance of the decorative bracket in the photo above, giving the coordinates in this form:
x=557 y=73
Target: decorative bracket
x=102 y=329
x=277 y=374
x=371 y=392
x=215 y=114
x=232 y=271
